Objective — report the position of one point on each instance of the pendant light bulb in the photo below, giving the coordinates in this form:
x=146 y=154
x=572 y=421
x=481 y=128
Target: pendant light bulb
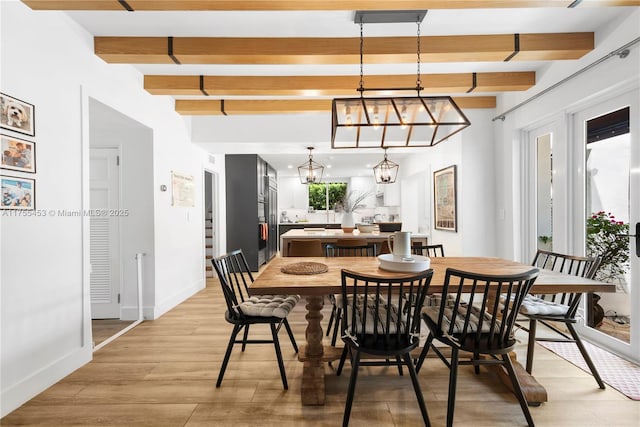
x=376 y=118
x=403 y=117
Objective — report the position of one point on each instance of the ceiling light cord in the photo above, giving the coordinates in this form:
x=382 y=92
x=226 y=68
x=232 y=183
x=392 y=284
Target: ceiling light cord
x=361 y=89
x=622 y=52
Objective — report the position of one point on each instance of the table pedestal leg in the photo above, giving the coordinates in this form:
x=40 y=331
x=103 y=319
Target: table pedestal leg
x=313 y=370
x=314 y=328
x=314 y=355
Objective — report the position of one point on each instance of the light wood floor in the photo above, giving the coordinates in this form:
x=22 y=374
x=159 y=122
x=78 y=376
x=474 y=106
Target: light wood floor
x=103 y=329
x=163 y=373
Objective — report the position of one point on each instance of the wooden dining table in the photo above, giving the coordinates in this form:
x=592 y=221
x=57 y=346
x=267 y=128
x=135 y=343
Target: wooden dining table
x=272 y=280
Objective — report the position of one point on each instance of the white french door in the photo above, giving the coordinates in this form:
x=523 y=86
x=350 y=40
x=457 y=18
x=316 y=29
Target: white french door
x=606 y=178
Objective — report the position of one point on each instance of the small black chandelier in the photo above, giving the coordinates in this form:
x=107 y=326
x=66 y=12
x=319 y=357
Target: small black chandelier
x=395 y=121
x=386 y=171
x=310 y=171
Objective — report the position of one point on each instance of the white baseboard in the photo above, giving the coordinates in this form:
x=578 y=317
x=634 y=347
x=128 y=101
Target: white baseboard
x=129 y=313
x=18 y=394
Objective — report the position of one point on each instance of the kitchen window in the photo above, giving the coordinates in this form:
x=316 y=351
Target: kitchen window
x=326 y=194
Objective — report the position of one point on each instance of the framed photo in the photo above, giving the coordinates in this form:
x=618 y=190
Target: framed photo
x=18 y=193
x=17 y=154
x=17 y=115
x=445 y=197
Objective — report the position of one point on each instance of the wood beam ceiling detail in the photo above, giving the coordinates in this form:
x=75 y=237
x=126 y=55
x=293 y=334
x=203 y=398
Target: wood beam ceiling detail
x=279 y=5
x=333 y=85
x=214 y=107
x=346 y=50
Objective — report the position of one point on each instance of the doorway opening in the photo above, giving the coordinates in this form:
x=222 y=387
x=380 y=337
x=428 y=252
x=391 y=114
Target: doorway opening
x=120 y=176
x=210 y=221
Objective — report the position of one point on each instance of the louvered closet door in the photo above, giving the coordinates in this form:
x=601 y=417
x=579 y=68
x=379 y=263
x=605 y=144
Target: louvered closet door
x=104 y=234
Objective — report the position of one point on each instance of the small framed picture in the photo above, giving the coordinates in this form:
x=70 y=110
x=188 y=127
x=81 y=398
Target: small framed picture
x=17 y=154
x=18 y=193
x=17 y=115
x=445 y=199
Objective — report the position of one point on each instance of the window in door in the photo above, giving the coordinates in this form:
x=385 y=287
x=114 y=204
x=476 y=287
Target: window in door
x=607 y=203
x=544 y=193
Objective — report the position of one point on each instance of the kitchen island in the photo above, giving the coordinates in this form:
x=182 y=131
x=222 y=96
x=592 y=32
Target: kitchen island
x=333 y=235
x=283 y=227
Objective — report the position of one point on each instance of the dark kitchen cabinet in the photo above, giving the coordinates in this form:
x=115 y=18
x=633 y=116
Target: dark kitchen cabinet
x=251 y=192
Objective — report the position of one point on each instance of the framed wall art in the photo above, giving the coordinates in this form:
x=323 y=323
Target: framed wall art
x=183 y=189
x=17 y=154
x=17 y=115
x=445 y=197
x=17 y=193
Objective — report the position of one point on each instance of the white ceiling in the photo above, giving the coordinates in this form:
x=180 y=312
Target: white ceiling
x=333 y=24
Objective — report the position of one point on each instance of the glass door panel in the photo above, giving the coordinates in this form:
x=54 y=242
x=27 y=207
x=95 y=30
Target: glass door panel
x=607 y=156
x=607 y=203
x=544 y=193
x=543 y=202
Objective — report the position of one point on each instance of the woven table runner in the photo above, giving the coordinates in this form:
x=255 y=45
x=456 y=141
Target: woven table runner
x=305 y=268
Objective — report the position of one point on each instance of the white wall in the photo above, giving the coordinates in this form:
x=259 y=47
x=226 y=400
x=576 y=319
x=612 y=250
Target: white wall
x=44 y=291
x=472 y=151
x=477 y=214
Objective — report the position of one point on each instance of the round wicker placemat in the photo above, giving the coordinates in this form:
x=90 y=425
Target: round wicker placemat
x=305 y=268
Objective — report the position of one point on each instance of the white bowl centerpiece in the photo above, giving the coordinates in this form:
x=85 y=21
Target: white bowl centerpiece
x=412 y=264
x=365 y=228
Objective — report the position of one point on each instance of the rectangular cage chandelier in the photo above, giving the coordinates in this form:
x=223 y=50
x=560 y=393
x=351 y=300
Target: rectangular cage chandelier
x=393 y=121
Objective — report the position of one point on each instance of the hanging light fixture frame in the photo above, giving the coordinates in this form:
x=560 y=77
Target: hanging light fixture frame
x=310 y=172
x=396 y=121
x=386 y=171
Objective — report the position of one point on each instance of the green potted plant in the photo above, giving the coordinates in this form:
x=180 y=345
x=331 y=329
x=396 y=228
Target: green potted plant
x=605 y=237
x=546 y=242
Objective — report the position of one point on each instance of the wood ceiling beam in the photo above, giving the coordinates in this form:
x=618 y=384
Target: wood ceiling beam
x=280 y=5
x=214 y=107
x=74 y=4
x=333 y=85
x=346 y=50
